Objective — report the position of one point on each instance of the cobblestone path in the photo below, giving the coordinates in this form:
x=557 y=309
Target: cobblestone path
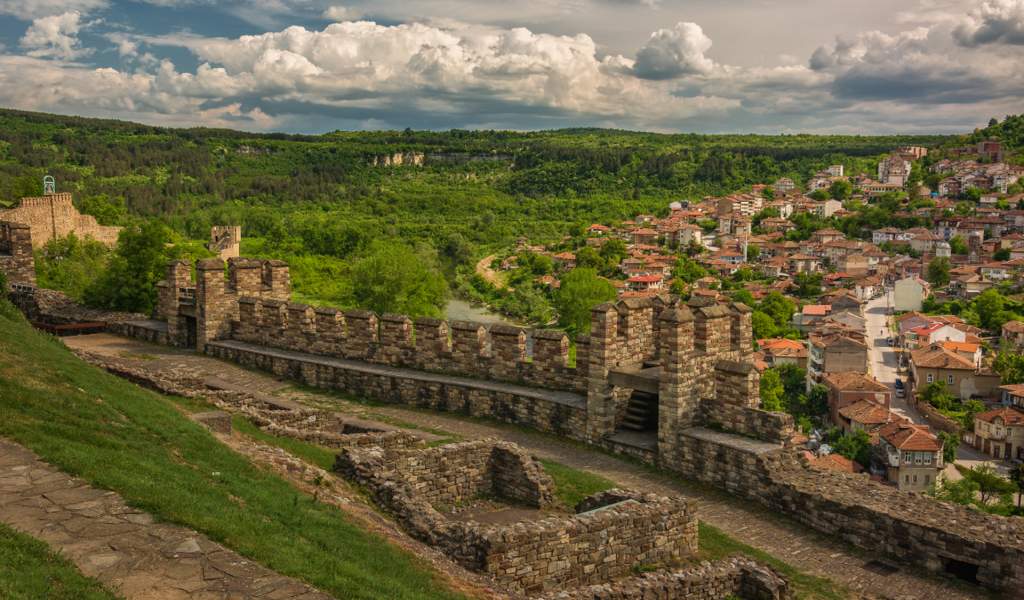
x=121 y=546
x=786 y=540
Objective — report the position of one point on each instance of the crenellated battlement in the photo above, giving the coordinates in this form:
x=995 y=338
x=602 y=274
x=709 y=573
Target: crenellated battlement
x=685 y=354
x=459 y=348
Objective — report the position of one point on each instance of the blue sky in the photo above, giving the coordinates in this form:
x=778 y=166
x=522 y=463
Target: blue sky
x=310 y=66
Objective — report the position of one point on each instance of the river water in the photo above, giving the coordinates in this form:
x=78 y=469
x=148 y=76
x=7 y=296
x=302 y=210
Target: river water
x=460 y=310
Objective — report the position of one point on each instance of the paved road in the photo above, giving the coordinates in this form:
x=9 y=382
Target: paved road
x=884 y=357
x=801 y=547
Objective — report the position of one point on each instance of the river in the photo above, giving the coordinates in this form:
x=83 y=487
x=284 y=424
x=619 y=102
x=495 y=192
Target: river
x=460 y=310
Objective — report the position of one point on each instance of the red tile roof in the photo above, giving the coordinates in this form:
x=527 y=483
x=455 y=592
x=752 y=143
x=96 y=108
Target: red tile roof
x=907 y=436
x=837 y=462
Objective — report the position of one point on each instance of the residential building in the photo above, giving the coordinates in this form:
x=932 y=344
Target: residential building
x=863 y=415
x=930 y=333
x=925 y=242
x=912 y=455
x=988 y=150
x=999 y=433
x=644 y=236
x=881 y=236
x=846 y=302
x=780 y=351
x=855 y=264
x=1014 y=332
x=829 y=352
x=911 y=293
x=846 y=388
x=783 y=184
x=646 y=283
x=894 y=170
x=962 y=378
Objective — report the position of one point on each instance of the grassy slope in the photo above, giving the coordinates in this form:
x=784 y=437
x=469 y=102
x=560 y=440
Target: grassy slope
x=120 y=437
x=28 y=569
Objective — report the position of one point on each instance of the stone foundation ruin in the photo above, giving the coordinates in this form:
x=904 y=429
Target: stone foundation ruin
x=612 y=532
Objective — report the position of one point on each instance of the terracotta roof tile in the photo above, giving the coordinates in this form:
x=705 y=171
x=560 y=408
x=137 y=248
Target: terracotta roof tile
x=852 y=380
x=837 y=462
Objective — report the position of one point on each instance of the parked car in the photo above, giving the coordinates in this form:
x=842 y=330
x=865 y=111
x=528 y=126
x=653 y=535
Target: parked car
x=888 y=340
x=899 y=383
x=901 y=393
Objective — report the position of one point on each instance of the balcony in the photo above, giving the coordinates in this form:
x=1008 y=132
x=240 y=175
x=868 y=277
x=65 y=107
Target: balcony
x=997 y=437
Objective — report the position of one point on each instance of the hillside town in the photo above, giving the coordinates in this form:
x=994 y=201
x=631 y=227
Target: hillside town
x=889 y=328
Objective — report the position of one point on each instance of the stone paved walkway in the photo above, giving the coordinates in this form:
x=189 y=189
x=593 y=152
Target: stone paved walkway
x=121 y=546
x=799 y=546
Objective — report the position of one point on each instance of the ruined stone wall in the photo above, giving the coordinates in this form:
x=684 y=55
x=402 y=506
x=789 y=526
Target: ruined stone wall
x=54 y=215
x=908 y=526
x=327 y=429
x=554 y=412
x=735 y=576
x=550 y=554
x=16 y=258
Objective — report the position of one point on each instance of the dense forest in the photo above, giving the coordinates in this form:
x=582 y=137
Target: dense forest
x=324 y=201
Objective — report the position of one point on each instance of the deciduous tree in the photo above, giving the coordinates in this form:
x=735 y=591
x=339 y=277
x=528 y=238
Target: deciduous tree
x=393 y=278
x=580 y=291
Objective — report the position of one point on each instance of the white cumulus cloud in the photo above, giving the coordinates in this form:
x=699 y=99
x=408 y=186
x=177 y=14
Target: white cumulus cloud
x=995 y=21
x=670 y=53
x=340 y=13
x=35 y=9
x=55 y=36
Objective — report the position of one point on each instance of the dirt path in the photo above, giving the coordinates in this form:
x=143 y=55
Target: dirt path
x=484 y=269
x=797 y=545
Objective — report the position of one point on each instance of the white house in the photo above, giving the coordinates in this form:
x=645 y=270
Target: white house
x=910 y=293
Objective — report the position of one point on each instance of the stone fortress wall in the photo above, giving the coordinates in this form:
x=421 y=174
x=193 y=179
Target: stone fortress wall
x=54 y=215
x=16 y=258
x=694 y=356
x=225 y=241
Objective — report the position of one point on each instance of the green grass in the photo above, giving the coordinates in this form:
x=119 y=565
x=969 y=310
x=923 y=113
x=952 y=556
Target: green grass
x=715 y=545
x=28 y=569
x=118 y=436
x=573 y=485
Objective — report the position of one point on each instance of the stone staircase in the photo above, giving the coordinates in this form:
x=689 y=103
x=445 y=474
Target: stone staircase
x=638 y=410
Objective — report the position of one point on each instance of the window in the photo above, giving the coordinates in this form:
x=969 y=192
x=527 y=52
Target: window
x=998 y=430
x=915 y=479
x=927 y=479
x=906 y=479
x=1008 y=432
x=931 y=377
x=917 y=457
x=927 y=458
x=988 y=427
x=949 y=379
x=906 y=457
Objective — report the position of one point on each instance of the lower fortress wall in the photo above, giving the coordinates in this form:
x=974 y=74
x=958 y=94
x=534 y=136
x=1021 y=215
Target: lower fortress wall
x=555 y=412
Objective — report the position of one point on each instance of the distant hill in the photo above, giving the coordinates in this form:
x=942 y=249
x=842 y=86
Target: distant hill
x=1010 y=132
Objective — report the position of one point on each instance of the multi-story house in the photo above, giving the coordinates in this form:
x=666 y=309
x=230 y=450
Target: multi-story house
x=962 y=378
x=911 y=454
x=995 y=270
x=894 y=170
x=911 y=293
x=829 y=352
x=802 y=263
x=945 y=227
x=925 y=242
x=783 y=184
x=999 y=433
x=881 y=236
x=930 y=333
x=846 y=388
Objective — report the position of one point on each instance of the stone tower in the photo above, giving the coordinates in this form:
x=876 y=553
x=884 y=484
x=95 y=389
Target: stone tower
x=973 y=250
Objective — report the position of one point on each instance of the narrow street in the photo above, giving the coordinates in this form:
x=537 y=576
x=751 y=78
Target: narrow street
x=884 y=357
